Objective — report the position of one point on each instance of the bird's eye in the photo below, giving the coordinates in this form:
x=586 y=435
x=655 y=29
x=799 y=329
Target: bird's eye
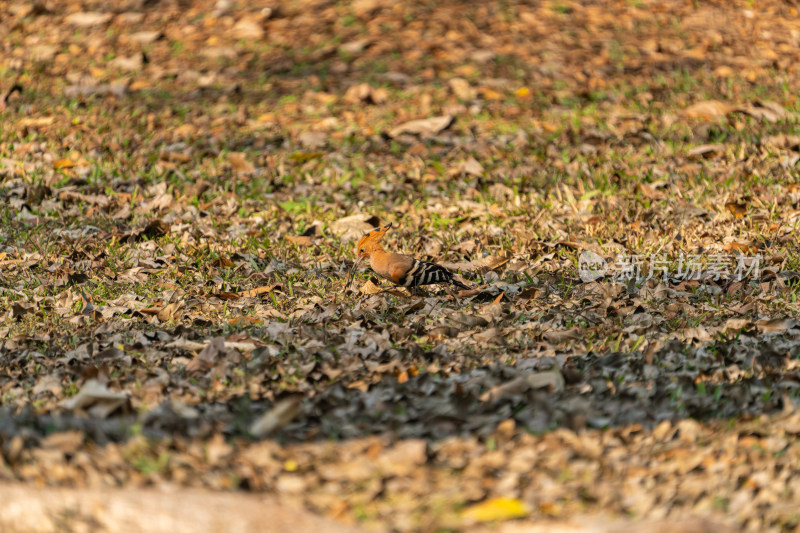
x=362 y=250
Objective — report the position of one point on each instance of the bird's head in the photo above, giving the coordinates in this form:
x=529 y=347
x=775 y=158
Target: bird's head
x=371 y=242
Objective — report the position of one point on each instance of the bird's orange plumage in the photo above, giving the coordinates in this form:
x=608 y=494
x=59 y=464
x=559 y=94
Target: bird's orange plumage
x=400 y=269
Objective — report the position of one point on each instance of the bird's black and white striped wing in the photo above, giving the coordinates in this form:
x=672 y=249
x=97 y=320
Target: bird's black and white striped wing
x=424 y=273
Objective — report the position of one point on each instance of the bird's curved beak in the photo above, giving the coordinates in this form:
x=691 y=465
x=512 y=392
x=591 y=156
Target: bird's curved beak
x=353 y=269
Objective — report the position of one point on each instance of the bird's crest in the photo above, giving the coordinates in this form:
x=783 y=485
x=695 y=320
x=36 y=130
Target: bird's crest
x=374 y=237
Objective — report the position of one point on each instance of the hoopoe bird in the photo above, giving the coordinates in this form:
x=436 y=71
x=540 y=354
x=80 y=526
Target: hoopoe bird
x=400 y=269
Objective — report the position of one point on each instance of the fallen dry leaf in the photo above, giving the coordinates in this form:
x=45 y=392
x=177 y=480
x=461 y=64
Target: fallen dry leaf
x=171 y=311
x=354 y=227
x=239 y=164
x=708 y=110
x=258 y=291
x=363 y=92
x=276 y=418
x=776 y=325
x=87 y=19
x=738 y=210
x=369 y=288
x=300 y=240
x=423 y=127
x=209 y=356
x=95 y=399
x=461 y=88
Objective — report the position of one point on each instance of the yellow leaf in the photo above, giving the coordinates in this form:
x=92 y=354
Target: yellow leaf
x=522 y=92
x=496 y=509
x=63 y=163
x=490 y=94
x=290 y=465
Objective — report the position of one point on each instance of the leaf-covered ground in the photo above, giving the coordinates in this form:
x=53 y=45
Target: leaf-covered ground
x=181 y=185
